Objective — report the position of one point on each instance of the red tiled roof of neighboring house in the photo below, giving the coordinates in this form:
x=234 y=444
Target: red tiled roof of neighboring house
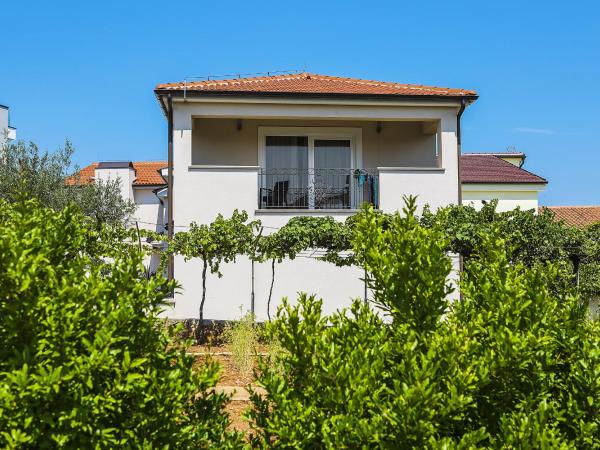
x=579 y=216
x=475 y=168
x=147 y=173
x=490 y=168
x=308 y=83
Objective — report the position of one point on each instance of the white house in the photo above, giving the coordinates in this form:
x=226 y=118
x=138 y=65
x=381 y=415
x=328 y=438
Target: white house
x=302 y=144
x=487 y=176
x=6 y=131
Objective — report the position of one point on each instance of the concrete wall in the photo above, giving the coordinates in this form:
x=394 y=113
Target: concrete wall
x=216 y=171
x=3 y=123
x=430 y=186
x=509 y=196
x=151 y=214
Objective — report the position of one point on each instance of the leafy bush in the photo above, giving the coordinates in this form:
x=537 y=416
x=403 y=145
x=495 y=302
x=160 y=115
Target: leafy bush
x=85 y=361
x=513 y=364
x=529 y=237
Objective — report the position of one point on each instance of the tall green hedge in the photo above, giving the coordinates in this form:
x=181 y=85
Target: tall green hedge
x=85 y=362
x=513 y=364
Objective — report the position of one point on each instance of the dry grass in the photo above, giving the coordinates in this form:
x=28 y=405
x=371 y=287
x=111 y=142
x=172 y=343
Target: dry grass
x=231 y=377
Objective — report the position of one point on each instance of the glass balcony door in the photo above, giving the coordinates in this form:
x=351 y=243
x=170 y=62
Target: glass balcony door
x=287 y=175
x=307 y=172
x=331 y=178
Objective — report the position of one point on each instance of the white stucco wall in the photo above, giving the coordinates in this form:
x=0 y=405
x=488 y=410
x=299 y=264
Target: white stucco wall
x=7 y=133
x=431 y=187
x=150 y=212
x=126 y=177
x=509 y=196
x=205 y=185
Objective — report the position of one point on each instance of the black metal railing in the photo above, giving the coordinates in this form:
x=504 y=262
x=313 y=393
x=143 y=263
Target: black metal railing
x=317 y=188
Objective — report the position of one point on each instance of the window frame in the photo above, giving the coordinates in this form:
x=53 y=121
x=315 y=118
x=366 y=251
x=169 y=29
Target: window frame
x=352 y=134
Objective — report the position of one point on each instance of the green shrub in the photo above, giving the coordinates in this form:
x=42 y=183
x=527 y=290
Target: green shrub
x=85 y=361
x=513 y=364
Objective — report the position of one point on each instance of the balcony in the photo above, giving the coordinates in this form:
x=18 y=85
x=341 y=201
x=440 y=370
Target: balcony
x=317 y=189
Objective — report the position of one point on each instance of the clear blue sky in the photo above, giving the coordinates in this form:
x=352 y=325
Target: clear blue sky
x=85 y=70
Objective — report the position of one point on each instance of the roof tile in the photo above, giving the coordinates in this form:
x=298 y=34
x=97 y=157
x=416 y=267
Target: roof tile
x=481 y=168
x=578 y=216
x=147 y=173
x=308 y=83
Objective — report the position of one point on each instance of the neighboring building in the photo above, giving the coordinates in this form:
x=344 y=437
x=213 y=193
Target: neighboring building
x=577 y=216
x=6 y=131
x=304 y=144
x=487 y=176
x=141 y=182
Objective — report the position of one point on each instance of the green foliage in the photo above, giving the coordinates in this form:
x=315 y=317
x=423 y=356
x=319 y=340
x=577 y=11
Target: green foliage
x=530 y=237
x=412 y=293
x=27 y=173
x=85 y=361
x=242 y=339
x=589 y=258
x=216 y=243
x=513 y=364
x=299 y=234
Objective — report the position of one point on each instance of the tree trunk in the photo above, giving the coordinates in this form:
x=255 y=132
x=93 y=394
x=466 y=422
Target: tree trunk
x=271 y=290
x=200 y=328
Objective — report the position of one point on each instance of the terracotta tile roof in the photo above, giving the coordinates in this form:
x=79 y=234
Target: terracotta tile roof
x=578 y=216
x=480 y=168
x=308 y=83
x=147 y=173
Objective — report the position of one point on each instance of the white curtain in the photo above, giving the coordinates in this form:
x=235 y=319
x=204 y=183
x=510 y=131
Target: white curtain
x=287 y=165
x=332 y=173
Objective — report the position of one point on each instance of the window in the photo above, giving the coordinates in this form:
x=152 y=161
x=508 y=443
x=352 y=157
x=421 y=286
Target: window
x=307 y=167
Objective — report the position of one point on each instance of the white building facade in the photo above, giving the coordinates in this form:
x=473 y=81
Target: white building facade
x=7 y=133
x=285 y=146
x=499 y=176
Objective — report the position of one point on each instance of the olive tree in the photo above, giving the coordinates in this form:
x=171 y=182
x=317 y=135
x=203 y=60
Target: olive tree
x=26 y=172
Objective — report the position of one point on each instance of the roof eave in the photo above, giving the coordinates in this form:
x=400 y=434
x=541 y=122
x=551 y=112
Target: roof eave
x=246 y=94
x=148 y=185
x=505 y=182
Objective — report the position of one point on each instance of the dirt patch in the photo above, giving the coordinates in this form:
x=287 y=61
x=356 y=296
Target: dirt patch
x=231 y=381
x=219 y=349
x=236 y=409
x=230 y=374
